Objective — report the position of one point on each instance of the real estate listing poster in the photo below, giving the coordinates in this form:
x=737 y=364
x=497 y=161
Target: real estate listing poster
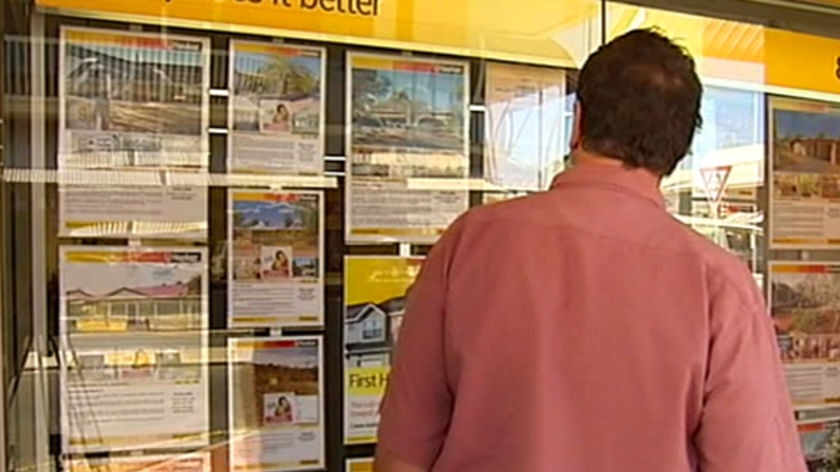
x=805 y=305
x=132 y=332
x=805 y=168
x=276 y=407
x=276 y=259
x=821 y=445
x=408 y=147
x=133 y=104
x=525 y=115
x=359 y=465
x=375 y=290
x=199 y=462
x=277 y=111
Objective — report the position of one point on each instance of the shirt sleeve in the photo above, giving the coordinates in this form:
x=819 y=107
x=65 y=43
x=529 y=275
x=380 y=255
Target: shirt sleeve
x=415 y=412
x=747 y=421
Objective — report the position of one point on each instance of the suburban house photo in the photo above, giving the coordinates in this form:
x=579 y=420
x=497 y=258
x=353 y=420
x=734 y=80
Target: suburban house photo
x=370 y=331
x=173 y=307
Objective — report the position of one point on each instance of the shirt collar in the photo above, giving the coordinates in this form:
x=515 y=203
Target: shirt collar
x=637 y=182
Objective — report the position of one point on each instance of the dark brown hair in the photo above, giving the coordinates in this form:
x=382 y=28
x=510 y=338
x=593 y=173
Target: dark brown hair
x=640 y=101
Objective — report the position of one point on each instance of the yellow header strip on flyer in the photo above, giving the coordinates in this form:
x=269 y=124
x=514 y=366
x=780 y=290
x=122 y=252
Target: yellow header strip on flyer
x=271 y=343
x=269 y=197
x=289 y=465
x=129 y=39
x=808 y=106
x=396 y=232
x=99 y=37
x=279 y=49
x=406 y=65
x=809 y=268
x=816 y=242
x=151 y=257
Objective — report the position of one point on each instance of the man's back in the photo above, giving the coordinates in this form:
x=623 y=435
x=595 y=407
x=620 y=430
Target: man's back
x=585 y=329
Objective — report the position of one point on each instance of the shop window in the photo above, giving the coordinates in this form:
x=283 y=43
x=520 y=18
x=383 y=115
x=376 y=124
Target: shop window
x=178 y=178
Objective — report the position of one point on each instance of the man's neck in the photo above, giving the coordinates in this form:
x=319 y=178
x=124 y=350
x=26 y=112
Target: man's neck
x=581 y=157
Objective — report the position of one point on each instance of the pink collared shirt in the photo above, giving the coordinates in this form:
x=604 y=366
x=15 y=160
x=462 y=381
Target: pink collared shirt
x=584 y=329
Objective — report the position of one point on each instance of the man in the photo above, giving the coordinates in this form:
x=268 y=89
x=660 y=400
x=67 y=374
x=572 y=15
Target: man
x=584 y=329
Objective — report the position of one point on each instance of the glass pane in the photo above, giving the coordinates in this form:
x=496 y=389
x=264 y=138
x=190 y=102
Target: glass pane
x=195 y=202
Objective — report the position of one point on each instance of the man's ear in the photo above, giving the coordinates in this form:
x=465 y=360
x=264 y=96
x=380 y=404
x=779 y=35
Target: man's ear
x=575 y=140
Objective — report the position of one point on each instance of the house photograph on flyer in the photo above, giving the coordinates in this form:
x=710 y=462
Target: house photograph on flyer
x=277 y=112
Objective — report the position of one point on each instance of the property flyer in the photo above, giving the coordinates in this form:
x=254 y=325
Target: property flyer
x=805 y=169
x=132 y=334
x=132 y=100
x=821 y=445
x=276 y=260
x=525 y=115
x=277 y=111
x=408 y=142
x=805 y=305
x=181 y=463
x=276 y=407
x=359 y=465
x=375 y=290
x=135 y=104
